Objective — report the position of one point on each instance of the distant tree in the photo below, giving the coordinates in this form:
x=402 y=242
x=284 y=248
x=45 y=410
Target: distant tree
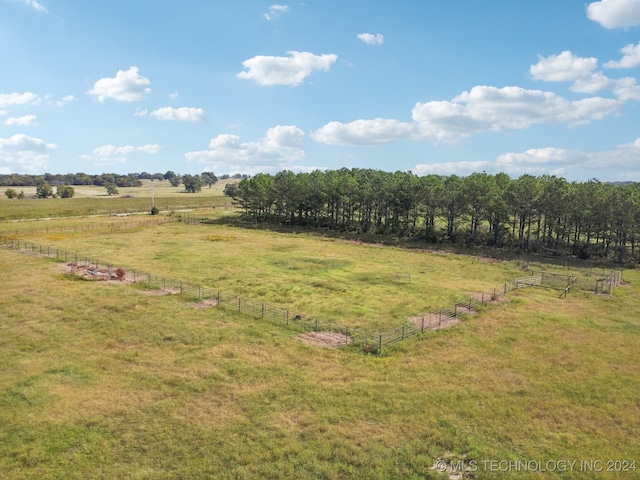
x=65 y=191
x=21 y=195
x=11 y=193
x=209 y=178
x=112 y=189
x=192 y=183
x=44 y=190
x=231 y=189
x=173 y=178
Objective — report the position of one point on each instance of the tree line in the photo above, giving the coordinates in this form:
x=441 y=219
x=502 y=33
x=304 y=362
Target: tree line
x=104 y=179
x=531 y=214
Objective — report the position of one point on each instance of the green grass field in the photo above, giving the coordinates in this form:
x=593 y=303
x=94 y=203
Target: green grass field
x=339 y=281
x=93 y=200
x=106 y=381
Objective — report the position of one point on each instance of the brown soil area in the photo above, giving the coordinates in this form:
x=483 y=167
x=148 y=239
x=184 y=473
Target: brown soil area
x=208 y=303
x=85 y=272
x=433 y=321
x=325 y=339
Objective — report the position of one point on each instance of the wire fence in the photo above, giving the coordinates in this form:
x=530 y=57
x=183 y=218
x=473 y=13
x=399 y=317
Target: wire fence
x=368 y=341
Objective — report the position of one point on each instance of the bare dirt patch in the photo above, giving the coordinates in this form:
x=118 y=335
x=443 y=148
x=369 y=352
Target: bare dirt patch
x=325 y=339
x=433 y=321
x=91 y=272
x=208 y=303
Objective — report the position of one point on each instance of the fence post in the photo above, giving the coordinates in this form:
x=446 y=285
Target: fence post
x=505 y=288
x=379 y=342
x=402 y=332
x=455 y=311
x=422 y=329
x=263 y=310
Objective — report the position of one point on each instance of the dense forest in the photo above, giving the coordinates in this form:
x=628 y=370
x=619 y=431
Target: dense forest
x=530 y=214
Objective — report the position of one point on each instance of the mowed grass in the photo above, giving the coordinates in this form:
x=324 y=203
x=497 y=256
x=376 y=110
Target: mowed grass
x=359 y=285
x=104 y=381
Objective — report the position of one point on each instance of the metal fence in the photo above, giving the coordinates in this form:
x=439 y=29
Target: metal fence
x=369 y=341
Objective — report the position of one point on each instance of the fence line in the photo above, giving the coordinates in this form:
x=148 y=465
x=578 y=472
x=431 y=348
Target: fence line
x=367 y=340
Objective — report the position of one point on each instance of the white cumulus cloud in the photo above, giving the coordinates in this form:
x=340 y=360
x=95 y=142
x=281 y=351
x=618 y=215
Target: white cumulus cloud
x=15 y=98
x=615 y=13
x=291 y=71
x=630 y=57
x=275 y=11
x=182 y=114
x=126 y=86
x=365 y=132
x=279 y=149
x=562 y=68
x=23 y=121
x=371 y=39
x=23 y=153
x=480 y=110
x=560 y=161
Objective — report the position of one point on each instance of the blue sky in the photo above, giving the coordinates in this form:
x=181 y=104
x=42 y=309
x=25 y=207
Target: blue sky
x=429 y=86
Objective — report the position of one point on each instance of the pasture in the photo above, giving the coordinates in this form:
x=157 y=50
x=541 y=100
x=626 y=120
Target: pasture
x=93 y=200
x=106 y=381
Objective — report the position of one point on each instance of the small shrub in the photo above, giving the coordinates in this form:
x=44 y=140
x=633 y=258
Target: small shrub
x=120 y=273
x=154 y=211
x=11 y=193
x=370 y=348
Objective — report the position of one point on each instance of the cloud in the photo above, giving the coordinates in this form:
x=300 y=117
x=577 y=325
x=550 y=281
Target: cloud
x=112 y=150
x=275 y=11
x=107 y=155
x=15 y=98
x=630 y=58
x=559 y=161
x=24 y=121
x=20 y=153
x=539 y=157
x=174 y=95
x=64 y=100
x=126 y=86
x=371 y=39
x=562 y=68
x=450 y=168
x=615 y=13
x=35 y=4
x=140 y=112
x=182 y=114
x=567 y=67
x=624 y=88
x=292 y=70
x=280 y=148
x=365 y=132
x=483 y=109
